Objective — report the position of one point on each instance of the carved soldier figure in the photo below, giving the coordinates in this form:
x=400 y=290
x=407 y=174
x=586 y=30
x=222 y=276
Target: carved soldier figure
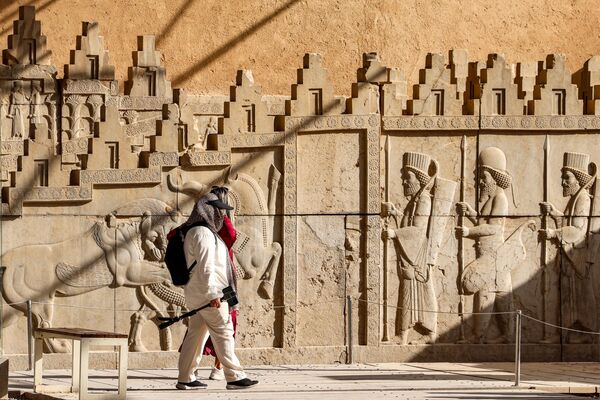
x=578 y=303
x=414 y=243
x=488 y=276
x=18 y=110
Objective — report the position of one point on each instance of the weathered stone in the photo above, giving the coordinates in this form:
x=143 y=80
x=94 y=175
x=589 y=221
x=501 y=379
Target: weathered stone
x=308 y=174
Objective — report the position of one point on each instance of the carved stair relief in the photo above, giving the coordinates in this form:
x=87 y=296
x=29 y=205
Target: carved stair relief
x=313 y=94
x=199 y=119
x=441 y=86
x=246 y=112
x=493 y=85
x=394 y=94
x=554 y=92
x=90 y=60
x=590 y=85
x=366 y=91
x=148 y=77
x=27 y=45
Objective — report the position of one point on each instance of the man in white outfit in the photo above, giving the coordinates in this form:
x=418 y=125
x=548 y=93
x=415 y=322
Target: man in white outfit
x=212 y=273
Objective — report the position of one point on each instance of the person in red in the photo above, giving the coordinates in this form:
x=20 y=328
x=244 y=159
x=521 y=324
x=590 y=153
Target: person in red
x=228 y=234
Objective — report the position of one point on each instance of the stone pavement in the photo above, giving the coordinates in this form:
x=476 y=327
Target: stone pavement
x=358 y=381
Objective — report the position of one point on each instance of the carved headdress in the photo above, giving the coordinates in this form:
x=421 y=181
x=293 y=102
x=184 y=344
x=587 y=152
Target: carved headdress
x=493 y=160
x=419 y=164
x=578 y=164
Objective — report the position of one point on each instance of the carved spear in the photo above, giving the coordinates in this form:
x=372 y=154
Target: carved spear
x=461 y=252
x=544 y=249
x=385 y=336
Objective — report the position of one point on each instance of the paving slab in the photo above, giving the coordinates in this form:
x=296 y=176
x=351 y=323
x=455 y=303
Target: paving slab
x=357 y=381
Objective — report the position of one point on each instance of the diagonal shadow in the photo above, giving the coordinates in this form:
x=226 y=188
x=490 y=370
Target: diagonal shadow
x=231 y=44
x=6 y=4
x=173 y=21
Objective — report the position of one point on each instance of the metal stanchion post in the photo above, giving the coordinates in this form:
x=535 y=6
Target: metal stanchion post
x=518 y=348
x=350 y=358
x=30 y=334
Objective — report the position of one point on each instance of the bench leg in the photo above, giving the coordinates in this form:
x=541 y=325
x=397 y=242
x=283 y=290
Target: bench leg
x=75 y=371
x=83 y=368
x=38 y=365
x=123 y=352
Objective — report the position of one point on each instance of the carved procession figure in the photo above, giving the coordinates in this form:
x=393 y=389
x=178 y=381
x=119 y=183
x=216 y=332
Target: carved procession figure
x=18 y=111
x=578 y=303
x=417 y=241
x=488 y=277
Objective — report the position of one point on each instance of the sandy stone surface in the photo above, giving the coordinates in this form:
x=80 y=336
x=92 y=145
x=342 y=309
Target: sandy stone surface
x=204 y=42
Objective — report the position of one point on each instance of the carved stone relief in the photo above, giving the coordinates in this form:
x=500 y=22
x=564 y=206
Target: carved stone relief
x=417 y=238
x=409 y=204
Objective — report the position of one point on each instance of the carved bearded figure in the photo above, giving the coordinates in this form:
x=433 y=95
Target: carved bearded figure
x=578 y=303
x=410 y=239
x=488 y=277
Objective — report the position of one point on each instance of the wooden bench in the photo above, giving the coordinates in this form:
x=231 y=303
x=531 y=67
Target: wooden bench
x=82 y=340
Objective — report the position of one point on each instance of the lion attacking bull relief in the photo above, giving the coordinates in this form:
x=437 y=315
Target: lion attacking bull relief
x=108 y=254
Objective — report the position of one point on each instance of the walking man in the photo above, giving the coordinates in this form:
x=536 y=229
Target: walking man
x=212 y=273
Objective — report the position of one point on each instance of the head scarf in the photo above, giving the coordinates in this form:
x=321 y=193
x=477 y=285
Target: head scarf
x=207 y=214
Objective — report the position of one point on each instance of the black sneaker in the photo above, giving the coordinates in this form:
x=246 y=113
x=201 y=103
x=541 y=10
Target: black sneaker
x=241 y=384
x=191 y=385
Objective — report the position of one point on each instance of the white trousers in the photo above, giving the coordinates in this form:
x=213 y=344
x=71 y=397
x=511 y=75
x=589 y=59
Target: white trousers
x=217 y=323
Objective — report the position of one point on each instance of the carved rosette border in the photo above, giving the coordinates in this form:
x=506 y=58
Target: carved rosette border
x=227 y=142
x=121 y=176
x=142 y=102
x=503 y=122
x=75 y=146
x=86 y=86
x=206 y=158
x=373 y=279
x=12 y=147
x=290 y=231
x=163 y=159
x=433 y=123
x=63 y=194
x=545 y=122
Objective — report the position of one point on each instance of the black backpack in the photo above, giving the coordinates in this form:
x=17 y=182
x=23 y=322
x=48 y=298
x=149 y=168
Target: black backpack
x=175 y=256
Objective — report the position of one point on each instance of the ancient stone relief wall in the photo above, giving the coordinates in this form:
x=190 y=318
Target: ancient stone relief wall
x=474 y=194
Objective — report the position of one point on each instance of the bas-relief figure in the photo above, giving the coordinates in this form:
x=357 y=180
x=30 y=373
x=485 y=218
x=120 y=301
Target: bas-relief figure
x=254 y=250
x=19 y=111
x=108 y=254
x=488 y=277
x=417 y=240
x=572 y=235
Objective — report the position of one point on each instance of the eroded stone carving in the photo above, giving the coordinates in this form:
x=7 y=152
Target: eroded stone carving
x=246 y=112
x=125 y=254
x=578 y=247
x=255 y=251
x=488 y=276
x=554 y=94
x=417 y=239
x=441 y=86
x=27 y=45
x=313 y=94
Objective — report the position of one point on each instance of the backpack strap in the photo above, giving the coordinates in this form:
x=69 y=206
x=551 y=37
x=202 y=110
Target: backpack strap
x=184 y=232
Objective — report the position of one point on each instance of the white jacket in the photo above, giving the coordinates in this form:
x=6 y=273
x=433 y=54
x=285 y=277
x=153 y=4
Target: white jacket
x=209 y=276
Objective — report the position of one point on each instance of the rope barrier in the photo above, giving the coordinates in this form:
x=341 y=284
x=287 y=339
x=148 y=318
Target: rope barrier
x=341 y=299
x=560 y=327
x=338 y=300
x=437 y=312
